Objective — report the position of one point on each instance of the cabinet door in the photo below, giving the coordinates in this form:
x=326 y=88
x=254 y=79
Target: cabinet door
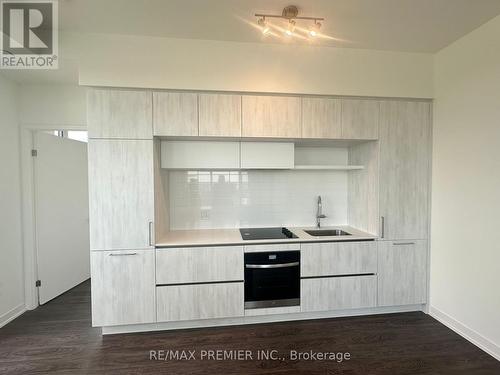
x=199 y=301
x=199 y=264
x=404 y=169
x=321 y=118
x=267 y=155
x=333 y=293
x=200 y=155
x=175 y=114
x=402 y=273
x=271 y=116
x=220 y=115
x=360 y=119
x=123 y=287
x=121 y=194
x=119 y=114
x=337 y=258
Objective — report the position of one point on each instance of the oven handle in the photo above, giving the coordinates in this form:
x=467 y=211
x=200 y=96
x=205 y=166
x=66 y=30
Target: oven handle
x=280 y=265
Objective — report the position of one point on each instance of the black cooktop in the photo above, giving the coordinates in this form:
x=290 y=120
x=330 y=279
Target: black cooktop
x=266 y=233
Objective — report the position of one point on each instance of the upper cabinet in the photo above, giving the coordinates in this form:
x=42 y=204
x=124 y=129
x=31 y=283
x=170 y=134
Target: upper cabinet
x=220 y=115
x=321 y=118
x=360 y=118
x=405 y=149
x=271 y=116
x=175 y=114
x=119 y=114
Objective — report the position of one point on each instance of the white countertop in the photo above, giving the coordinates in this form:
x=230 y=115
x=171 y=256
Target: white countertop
x=214 y=237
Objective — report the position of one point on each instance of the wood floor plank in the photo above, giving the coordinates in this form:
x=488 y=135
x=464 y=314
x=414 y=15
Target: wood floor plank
x=57 y=338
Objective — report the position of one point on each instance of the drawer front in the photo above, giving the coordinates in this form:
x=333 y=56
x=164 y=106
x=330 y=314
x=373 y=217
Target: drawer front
x=199 y=264
x=333 y=293
x=200 y=301
x=338 y=258
x=123 y=287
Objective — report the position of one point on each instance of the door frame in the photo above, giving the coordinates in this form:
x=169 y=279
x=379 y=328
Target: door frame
x=27 y=132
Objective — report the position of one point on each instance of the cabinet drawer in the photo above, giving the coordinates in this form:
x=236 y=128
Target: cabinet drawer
x=338 y=258
x=332 y=293
x=199 y=264
x=123 y=287
x=200 y=301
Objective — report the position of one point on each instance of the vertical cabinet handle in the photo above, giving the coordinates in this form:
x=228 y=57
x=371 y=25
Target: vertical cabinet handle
x=382 y=231
x=150 y=233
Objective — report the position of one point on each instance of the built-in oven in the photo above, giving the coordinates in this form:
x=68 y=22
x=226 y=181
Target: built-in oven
x=272 y=279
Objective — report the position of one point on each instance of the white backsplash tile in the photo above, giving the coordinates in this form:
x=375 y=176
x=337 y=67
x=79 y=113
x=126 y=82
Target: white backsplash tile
x=232 y=199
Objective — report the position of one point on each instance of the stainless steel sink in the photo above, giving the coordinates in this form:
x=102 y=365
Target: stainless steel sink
x=327 y=232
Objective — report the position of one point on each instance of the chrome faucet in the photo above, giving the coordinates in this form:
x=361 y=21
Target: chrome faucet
x=319 y=213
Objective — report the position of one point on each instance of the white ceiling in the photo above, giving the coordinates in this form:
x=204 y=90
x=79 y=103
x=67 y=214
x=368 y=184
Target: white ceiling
x=397 y=25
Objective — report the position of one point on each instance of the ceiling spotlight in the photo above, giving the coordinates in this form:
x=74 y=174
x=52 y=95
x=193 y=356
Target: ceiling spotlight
x=291 y=28
x=314 y=31
x=264 y=26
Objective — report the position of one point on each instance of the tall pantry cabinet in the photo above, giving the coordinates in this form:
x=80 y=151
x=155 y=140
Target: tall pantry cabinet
x=121 y=192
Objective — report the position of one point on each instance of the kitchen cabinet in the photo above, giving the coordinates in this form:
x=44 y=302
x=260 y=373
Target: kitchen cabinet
x=175 y=114
x=123 y=287
x=199 y=264
x=405 y=150
x=338 y=258
x=220 y=115
x=200 y=155
x=402 y=273
x=267 y=155
x=271 y=116
x=121 y=194
x=119 y=114
x=321 y=118
x=200 y=301
x=360 y=119
x=334 y=293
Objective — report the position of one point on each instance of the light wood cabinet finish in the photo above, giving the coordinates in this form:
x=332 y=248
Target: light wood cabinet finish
x=337 y=258
x=404 y=169
x=199 y=301
x=360 y=119
x=321 y=118
x=123 y=287
x=199 y=264
x=119 y=114
x=121 y=191
x=200 y=155
x=402 y=276
x=271 y=116
x=220 y=115
x=175 y=114
x=333 y=293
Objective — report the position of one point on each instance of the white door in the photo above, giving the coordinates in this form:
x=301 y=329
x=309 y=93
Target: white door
x=62 y=212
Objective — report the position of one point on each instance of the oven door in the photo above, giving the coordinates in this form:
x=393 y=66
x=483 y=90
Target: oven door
x=272 y=279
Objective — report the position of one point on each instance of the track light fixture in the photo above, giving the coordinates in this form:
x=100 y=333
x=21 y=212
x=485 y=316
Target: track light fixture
x=290 y=13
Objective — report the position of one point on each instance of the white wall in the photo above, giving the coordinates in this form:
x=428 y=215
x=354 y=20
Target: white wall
x=465 y=255
x=58 y=105
x=133 y=61
x=11 y=256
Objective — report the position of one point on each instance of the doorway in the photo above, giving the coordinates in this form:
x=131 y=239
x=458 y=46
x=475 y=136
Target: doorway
x=60 y=195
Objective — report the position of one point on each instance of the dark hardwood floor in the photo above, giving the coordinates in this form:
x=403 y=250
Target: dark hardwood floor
x=58 y=339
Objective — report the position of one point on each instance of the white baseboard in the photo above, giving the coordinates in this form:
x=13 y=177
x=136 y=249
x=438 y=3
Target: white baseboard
x=11 y=315
x=468 y=333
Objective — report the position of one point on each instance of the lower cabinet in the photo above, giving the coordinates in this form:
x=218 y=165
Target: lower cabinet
x=333 y=293
x=123 y=287
x=402 y=273
x=199 y=301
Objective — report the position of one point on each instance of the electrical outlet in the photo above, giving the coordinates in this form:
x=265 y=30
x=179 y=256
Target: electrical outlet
x=205 y=214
